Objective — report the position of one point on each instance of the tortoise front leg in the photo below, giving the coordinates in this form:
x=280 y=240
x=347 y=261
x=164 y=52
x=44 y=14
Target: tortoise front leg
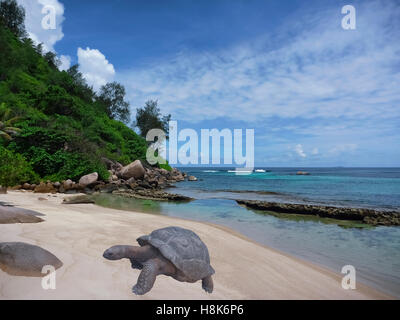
x=147 y=277
x=207 y=284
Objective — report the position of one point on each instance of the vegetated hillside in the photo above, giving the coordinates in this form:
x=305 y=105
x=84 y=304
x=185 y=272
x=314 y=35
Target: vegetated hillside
x=64 y=126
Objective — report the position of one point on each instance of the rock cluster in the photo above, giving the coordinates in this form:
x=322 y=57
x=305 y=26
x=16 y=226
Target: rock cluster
x=368 y=216
x=134 y=178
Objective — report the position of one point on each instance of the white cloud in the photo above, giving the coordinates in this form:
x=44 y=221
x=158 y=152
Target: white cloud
x=343 y=148
x=316 y=70
x=33 y=22
x=65 y=62
x=299 y=151
x=95 y=67
x=315 y=151
x=93 y=64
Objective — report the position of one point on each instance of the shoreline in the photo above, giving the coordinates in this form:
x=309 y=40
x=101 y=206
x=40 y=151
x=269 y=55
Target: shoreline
x=245 y=269
x=366 y=277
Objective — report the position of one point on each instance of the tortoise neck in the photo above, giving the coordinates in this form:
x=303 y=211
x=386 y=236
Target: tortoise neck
x=130 y=251
x=140 y=254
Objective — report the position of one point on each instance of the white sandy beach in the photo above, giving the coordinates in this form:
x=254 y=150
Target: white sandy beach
x=79 y=234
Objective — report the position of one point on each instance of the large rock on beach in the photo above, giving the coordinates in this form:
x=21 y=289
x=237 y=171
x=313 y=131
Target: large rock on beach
x=67 y=184
x=23 y=259
x=133 y=170
x=10 y=214
x=88 y=179
x=26 y=186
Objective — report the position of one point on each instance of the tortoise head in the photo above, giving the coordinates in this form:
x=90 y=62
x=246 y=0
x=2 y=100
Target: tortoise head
x=115 y=253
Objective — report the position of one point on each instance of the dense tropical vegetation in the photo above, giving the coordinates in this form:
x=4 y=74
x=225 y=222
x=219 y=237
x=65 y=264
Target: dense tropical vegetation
x=54 y=126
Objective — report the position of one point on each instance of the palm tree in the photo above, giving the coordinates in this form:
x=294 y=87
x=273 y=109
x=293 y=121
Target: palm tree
x=6 y=128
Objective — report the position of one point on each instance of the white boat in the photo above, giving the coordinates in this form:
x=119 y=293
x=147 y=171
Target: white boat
x=240 y=171
x=260 y=170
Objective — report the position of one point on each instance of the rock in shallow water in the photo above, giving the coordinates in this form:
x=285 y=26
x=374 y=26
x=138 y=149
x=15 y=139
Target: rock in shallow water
x=150 y=194
x=368 y=216
x=78 y=199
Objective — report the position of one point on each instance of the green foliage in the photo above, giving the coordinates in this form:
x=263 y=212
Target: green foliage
x=65 y=129
x=12 y=16
x=76 y=84
x=149 y=117
x=75 y=166
x=56 y=100
x=52 y=60
x=165 y=166
x=112 y=98
x=7 y=131
x=14 y=169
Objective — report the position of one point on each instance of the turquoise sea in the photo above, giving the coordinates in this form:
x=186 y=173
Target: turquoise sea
x=373 y=251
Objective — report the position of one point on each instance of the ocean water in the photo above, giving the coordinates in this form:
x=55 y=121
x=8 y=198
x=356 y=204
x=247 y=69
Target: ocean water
x=360 y=187
x=373 y=251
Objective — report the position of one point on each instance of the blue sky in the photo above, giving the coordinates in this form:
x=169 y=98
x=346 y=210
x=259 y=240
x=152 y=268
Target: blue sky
x=315 y=94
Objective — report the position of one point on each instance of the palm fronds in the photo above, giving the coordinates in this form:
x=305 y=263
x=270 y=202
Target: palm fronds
x=6 y=123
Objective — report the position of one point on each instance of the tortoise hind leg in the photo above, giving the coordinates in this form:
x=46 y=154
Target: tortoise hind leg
x=147 y=277
x=207 y=284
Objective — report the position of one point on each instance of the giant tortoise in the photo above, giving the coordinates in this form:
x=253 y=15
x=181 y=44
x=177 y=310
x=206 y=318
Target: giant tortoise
x=172 y=251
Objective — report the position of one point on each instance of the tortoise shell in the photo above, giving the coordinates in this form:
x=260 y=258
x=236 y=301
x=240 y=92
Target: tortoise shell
x=183 y=248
